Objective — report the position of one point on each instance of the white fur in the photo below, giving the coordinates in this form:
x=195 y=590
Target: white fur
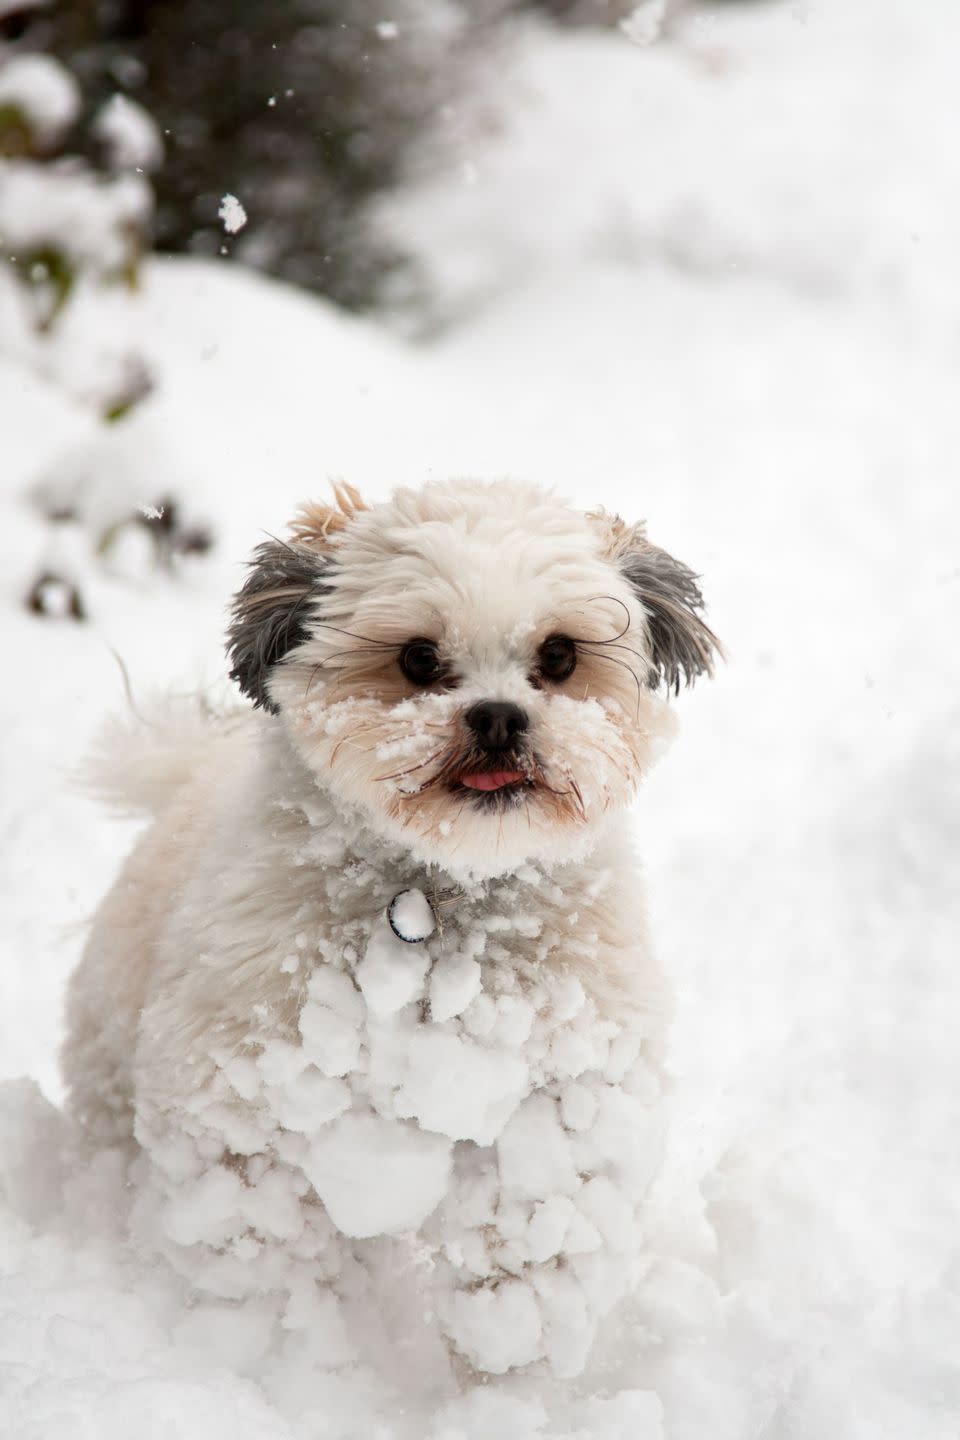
x=308 y=1094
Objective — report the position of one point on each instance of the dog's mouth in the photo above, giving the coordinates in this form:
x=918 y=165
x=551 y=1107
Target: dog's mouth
x=497 y=782
x=492 y=779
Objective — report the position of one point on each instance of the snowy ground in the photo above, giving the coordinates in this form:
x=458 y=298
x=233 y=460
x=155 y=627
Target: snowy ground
x=712 y=283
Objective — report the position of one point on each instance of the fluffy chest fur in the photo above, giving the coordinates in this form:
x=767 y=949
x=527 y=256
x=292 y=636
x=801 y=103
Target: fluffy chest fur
x=276 y=878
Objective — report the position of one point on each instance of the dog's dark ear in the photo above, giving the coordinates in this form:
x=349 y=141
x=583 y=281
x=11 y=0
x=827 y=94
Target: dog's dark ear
x=271 y=613
x=682 y=645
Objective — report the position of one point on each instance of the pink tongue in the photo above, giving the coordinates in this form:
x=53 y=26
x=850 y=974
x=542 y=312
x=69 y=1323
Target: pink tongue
x=491 y=779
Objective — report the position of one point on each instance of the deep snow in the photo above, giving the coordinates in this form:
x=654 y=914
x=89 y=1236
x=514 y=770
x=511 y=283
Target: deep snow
x=716 y=291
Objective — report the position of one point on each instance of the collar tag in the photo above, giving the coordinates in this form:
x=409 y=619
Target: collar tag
x=411 y=916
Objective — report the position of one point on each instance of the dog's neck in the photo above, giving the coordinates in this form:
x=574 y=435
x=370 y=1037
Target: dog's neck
x=584 y=914
x=331 y=833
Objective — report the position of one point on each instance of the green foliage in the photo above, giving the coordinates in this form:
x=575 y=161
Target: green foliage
x=49 y=278
x=16 y=138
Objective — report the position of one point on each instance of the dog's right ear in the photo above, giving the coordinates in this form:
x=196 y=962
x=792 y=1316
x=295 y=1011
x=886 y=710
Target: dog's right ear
x=271 y=613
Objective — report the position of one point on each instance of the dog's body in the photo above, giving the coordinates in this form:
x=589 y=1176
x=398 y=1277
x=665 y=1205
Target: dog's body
x=302 y=1082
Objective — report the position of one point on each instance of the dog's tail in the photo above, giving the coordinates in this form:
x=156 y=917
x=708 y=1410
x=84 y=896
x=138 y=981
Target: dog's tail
x=140 y=760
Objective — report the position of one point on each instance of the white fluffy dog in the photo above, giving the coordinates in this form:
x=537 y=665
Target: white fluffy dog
x=373 y=994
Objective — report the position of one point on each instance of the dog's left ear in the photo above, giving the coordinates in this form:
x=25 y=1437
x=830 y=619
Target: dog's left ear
x=682 y=645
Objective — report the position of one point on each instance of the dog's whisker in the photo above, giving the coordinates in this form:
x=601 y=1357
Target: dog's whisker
x=411 y=770
x=615 y=600
x=624 y=665
x=355 y=635
x=348 y=740
x=613 y=645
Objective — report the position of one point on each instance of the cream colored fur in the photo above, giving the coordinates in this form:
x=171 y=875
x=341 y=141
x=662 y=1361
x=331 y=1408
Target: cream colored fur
x=276 y=846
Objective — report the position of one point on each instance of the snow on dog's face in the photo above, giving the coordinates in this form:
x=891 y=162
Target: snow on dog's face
x=473 y=665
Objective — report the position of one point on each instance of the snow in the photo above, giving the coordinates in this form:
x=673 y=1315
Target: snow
x=232 y=214
x=10 y=7
x=64 y=206
x=499 y=1328
x=478 y=1087
x=644 y=23
x=130 y=135
x=455 y=982
x=389 y=975
x=70 y=232
x=739 y=322
x=411 y=917
x=43 y=92
x=376 y=1178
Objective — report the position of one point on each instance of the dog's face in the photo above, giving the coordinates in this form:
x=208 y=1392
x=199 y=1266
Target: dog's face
x=474 y=666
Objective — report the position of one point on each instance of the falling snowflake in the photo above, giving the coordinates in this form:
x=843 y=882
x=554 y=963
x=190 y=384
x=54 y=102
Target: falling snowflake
x=232 y=214
x=645 y=21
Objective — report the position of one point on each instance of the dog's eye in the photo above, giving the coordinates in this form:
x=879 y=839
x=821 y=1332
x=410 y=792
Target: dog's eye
x=420 y=662
x=557 y=658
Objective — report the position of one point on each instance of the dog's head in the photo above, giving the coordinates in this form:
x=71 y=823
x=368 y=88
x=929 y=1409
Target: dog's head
x=474 y=666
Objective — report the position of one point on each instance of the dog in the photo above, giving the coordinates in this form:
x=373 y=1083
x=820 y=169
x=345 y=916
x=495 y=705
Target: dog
x=373 y=996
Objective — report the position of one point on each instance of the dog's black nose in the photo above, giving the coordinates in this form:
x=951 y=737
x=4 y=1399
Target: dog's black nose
x=496 y=723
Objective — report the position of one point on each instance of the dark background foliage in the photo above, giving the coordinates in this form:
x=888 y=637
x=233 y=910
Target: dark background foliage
x=305 y=109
